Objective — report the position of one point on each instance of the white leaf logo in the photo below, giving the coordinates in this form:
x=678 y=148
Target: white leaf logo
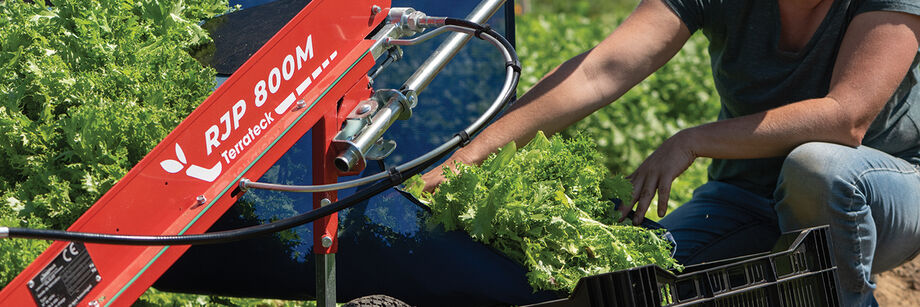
x=206 y=174
x=194 y=171
x=171 y=166
x=180 y=154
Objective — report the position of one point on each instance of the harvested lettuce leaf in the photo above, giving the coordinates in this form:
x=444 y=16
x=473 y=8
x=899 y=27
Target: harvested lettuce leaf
x=546 y=206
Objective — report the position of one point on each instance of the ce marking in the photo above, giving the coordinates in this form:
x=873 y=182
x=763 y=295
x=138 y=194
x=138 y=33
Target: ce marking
x=72 y=250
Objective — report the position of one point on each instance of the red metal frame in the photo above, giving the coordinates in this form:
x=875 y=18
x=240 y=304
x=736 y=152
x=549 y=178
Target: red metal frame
x=239 y=131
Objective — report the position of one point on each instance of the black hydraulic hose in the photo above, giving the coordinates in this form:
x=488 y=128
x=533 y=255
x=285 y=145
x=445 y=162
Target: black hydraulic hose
x=206 y=238
x=219 y=236
x=396 y=178
x=515 y=64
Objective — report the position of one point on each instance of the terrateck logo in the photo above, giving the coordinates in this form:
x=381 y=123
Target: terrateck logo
x=194 y=171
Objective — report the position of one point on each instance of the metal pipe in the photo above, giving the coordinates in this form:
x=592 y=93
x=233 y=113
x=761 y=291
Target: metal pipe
x=425 y=73
x=365 y=139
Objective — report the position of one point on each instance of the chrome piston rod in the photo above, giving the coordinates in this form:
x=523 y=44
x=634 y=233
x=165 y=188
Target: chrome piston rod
x=448 y=49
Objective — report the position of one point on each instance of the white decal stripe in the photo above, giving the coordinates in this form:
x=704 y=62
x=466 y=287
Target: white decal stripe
x=325 y=63
x=317 y=71
x=285 y=104
x=303 y=86
x=334 y=53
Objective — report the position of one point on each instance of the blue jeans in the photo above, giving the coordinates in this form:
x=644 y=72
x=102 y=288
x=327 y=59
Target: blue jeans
x=870 y=199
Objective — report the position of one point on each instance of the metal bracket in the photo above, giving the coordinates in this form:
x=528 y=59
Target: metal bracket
x=363 y=110
x=381 y=149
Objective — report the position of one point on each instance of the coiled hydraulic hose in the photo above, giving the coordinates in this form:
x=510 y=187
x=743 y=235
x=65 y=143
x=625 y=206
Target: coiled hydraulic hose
x=396 y=175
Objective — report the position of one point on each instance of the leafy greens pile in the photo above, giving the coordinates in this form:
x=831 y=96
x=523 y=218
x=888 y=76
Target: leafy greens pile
x=546 y=206
x=87 y=88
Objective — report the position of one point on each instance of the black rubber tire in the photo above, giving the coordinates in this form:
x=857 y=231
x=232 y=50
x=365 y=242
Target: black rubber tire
x=376 y=301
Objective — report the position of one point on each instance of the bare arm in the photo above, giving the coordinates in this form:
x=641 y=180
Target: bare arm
x=640 y=45
x=876 y=53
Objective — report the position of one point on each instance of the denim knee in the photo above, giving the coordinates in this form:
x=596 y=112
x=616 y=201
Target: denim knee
x=810 y=174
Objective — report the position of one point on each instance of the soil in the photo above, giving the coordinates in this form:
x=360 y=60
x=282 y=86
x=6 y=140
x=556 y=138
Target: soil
x=900 y=286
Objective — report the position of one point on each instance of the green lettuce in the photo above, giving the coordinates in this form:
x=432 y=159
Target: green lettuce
x=87 y=89
x=546 y=206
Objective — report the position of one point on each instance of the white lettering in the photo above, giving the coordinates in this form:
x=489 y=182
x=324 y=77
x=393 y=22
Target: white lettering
x=226 y=120
x=290 y=64
x=261 y=94
x=304 y=54
x=238 y=110
x=274 y=80
x=210 y=138
x=239 y=146
x=287 y=68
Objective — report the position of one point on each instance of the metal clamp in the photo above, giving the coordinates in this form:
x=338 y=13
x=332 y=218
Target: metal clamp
x=4 y=232
x=363 y=133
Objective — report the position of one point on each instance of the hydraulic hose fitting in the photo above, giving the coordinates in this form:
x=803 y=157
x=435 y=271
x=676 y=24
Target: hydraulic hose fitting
x=413 y=21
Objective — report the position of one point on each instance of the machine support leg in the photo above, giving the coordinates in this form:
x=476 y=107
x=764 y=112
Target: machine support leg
x=325 y=280
x=325 y=230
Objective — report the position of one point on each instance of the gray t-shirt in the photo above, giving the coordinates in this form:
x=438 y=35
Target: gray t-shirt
x=753 y=75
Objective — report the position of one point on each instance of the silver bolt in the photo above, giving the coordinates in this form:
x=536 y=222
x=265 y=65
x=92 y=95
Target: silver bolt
x=98 y=278
x=94 y=304
x=201 y=200
x=364 y=108
x=327 y=241
x=31 y=284
x=299 y=106
x=324 y=202
x=375 y=10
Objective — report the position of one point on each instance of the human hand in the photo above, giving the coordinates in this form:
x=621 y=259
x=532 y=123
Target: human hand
x=435 y=176
x=657 y=172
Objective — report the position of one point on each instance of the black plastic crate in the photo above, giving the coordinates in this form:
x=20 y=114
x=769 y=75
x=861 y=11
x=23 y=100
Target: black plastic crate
x=799 y=271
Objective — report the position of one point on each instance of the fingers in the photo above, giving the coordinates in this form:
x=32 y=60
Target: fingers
x=627 y=206
x=642 y=194
x=432 y=179
x=664 y=193
x=644 y=189
x=646 y=193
